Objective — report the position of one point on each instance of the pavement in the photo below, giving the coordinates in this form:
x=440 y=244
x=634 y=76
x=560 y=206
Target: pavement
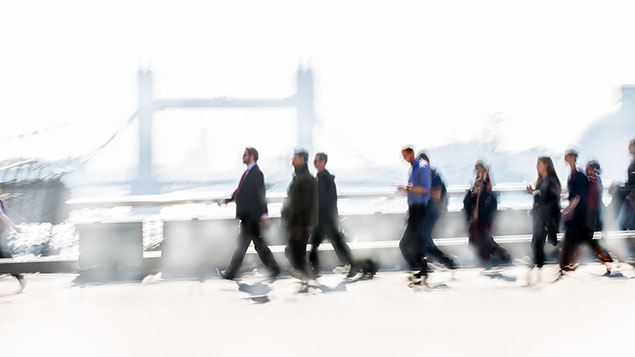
x=471 y=312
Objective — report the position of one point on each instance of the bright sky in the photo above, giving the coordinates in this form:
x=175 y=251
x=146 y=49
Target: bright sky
x=387 y=73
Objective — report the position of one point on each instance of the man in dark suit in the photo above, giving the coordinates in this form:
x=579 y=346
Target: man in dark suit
x=328 y=219
x=251 y=209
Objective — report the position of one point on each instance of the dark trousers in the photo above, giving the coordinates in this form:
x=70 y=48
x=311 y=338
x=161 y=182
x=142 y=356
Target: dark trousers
x=577 y=233
x=429 y=248
x=483 y=244
x=573 y=232
x=5 y=252
x=296 y=248
x=410 y=244
x=250 y=232
x=626 y=218
x=601 y=253
x=538 y=242
x=332 y=231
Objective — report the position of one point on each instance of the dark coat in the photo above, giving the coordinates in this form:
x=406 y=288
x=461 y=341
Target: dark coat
x=300 y=208
x=327 y=198
x=546 y=205
x=251 y=201
x=486 y=203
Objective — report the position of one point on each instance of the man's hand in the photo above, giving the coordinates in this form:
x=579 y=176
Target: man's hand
x=221 y=202
x=265 y=221
x=402 y=188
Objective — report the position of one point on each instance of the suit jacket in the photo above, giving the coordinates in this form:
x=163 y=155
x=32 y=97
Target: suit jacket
x=251 y=201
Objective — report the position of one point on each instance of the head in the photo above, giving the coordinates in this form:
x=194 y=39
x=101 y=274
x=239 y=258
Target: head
x=547 y=165
x=250 y=155
x=571 y=157
x=423 y=155
x=300 y=158
x=480 y=168
x=546 y=168
x=631 y=147
x=541 y=167
x=320 y=161
x=408 y=153
x=593 y=168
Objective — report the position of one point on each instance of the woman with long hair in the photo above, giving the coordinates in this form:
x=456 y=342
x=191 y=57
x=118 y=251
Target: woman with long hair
x=545 y=211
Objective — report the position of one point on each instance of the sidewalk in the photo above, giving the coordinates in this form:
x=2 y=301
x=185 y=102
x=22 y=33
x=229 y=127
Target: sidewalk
x=478 y=313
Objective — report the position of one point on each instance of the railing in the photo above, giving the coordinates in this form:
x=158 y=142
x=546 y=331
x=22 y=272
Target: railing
x=177 y=199
x=169 y=199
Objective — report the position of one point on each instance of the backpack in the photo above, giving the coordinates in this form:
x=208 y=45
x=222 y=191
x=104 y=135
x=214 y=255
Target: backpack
x=443 y=201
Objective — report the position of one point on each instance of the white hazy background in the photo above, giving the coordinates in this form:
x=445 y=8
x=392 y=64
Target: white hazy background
x=387 y=74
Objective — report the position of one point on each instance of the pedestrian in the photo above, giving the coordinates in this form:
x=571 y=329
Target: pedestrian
x=545 y=211
x=418 y=191
x=626 y=217
x=576 y=221
x=437 y=203
x=251 y=210
x=328 y=223
x=5 y=223
x=596 y=190
x=299 y=213
x=480 y=207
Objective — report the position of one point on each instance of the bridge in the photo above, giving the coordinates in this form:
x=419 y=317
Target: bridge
x=373 y=221
x=302 y=101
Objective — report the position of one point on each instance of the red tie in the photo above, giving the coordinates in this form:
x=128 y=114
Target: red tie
x=240 y=184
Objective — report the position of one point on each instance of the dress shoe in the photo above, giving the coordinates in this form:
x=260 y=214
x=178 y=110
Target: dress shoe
x=351 y=273
x=225 y=274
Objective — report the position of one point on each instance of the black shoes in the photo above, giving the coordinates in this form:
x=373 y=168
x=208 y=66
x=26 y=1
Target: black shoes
x=228 y=275
x=274 y=274
x=449 y=262
x=21 y=281
x=351 y=273
x=368 y=266
x=418 y=278
x=421 y=274
x=225 y=274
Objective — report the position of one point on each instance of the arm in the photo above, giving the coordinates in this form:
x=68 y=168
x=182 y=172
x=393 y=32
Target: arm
x=304 y=201
x=261 y=196
x=541 y=193
x=417 y=189
x=422 y=183
x=332 y=190
x=567 y=211
x=435 y=194
x=435 y=186
x=424 y=180
x=226 y=200
x=4 y=218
